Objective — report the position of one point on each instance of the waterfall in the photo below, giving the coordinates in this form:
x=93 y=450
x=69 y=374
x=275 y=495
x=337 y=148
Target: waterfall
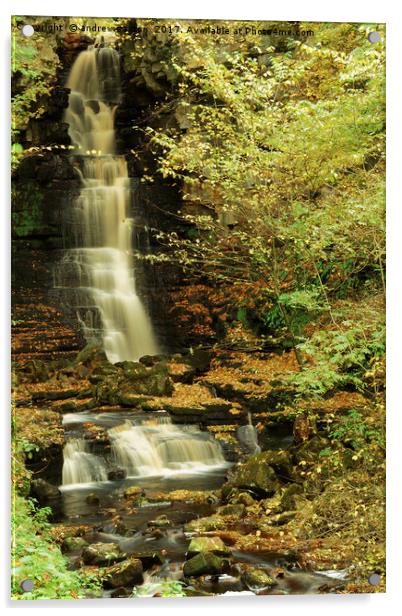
x=155 y=447
x=81 y=466
x=248 y=436
x=99 y=267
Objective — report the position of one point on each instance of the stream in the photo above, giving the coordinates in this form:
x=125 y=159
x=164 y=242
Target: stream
x=150 y=452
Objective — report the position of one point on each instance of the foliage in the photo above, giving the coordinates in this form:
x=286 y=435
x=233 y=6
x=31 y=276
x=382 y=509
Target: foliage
x=34 y=66
x=36 y=558
x=338 y=358
x=284 y=149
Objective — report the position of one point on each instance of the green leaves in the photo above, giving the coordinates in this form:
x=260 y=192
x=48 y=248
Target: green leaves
x=36 y=557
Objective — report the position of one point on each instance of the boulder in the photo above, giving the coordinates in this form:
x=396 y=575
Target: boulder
x=281 y=461
x=73 y=544
x=126 y=573
x=256 y=475
x=199 y=360
x=203 y=525
x=151 y=360
x=309 y=451
x=207 y=544
x=130 y=379
x=44 y=492
x=257 y=579
x=102 y=554
x=149 y=559
x=244 y=498
x=288 y=501
x=117 y=474
x=203 y=563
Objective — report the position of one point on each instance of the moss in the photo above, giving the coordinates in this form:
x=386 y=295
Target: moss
x=27 y=213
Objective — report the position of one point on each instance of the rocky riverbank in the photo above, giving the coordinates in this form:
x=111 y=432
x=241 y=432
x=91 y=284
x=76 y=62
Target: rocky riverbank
x=266 y=525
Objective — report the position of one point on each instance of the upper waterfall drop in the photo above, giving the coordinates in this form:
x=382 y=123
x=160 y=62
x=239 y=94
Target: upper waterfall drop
x=100 y=265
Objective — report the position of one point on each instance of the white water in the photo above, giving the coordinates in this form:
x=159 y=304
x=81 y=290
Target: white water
x=100 y=267
x=152 y=448
x=161 y=448
x=81 y=466
x=248 y=436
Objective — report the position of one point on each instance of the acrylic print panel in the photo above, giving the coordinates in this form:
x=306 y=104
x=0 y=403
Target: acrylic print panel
x=198 y=308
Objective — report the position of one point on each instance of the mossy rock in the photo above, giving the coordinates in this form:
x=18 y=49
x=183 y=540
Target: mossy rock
x=256 y=475
x=257 y=579
x=207 y=544
x=102 y=554
x=288 y=501
x=237 y=510
x=213 y=522
x=310 y=450
x=73 y=544
x=126 y=573
x=203 y=563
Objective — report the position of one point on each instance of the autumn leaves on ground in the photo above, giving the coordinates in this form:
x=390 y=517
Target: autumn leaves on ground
x=277 y=146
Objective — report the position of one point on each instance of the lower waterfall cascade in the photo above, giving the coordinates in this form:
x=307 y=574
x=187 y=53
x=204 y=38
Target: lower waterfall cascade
x=153 y=447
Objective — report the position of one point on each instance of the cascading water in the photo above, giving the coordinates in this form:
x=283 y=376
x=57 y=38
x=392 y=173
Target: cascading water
x=81 y=466
x=100 y=267
x=154 y=447
x=248 y=436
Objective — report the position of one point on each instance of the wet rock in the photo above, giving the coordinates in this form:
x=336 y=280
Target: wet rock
x=149 y=559
x=117 y=474
x=207 y=544
x=76 y=406
x=213 y=522
x=134 y=492
x=102 y=554
x=92 y=499
x=44 y=491
x=203 y=563
x=126 y=573
x=257 y=579
x=160 y=521
x=131 y=400
x=132 y=379
x=73 y=544
x=120 y=593
x=92 y=355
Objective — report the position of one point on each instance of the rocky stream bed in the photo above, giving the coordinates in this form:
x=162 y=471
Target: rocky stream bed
x=209 y=512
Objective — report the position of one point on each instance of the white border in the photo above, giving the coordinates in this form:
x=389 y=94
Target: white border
x=341 y=10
